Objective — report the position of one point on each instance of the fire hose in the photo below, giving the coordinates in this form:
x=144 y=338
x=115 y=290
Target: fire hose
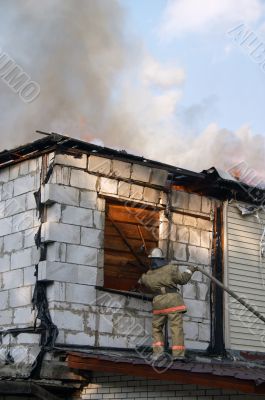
x=222 y=286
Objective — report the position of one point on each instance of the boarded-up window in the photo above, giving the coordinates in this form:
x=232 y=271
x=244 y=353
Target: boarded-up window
x=130 y=234
x=245 y=274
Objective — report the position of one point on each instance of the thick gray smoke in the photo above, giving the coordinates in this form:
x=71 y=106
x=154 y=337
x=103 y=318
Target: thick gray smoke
x=99 y=84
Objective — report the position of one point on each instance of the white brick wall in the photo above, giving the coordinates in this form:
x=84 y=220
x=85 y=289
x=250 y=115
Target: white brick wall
x=110 y=386
x=74 y=233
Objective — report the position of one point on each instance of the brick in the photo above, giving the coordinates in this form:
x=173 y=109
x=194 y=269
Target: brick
x=21 y=258
x=20 y=296
x=56 y=292
x=198 y=255
x=83 y=180
x=204 y=224
x=159 y=177
x=3 y=300
x=61 y=175
x=105 y=323
x=54 y=212
x=24 y=168
x=7 y=190
x=60 y=194
x=29 y=276
x=204 y=332
x=23 y=221
x=197 y=308
x=30 y=201
x=107 y=340
x=82 y=255
x=92 y=237
x=189 y=291
x=15 y=205
x=82 y=294
x=28 y=338
x=99 y=164
x=195 y=237
x=4 y=175
x=5 y=226
x=203 y=291
x=67 y=320
x=190 y=221
x=195 y=202
x=151 y=195
x=140 y=173
x=177 y=218
x=12 y=279
x=6 y=317
x=180 y=199
x=56 y=252
x=180 y=251
x=124 y=189
x=65 y=272
x=191 y=330
x=108 y=185
x=24 y=315
x=14 y=172
x=206 y=239
x=182 y=234
x=88 y=199
x=13 y=242
x=5 y=262
x=58 y=232
x=136 y=192
x=81 y=338
x=29 y=237
x=121 y=169
x=24 y=185
x=77 y=216
x=98 y=219
x=206 y=205
x=163 y=231
x=69 y=160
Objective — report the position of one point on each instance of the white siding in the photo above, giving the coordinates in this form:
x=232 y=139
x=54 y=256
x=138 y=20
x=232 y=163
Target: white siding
x=244 y=274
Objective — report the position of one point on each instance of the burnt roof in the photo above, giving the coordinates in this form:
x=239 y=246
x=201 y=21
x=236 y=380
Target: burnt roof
x=209 y=182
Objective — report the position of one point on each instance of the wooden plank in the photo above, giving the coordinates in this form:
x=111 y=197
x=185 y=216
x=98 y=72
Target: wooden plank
x=113 y=283
x=147 y=371
x=136 y=216
x=116 y=243
x=130 y=231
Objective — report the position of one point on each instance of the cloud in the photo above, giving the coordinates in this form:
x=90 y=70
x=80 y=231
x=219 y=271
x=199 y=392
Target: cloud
x=162 y=75
x=193 y=16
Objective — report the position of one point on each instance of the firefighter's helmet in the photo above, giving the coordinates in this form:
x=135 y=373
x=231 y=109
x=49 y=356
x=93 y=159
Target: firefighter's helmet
x=156 y=253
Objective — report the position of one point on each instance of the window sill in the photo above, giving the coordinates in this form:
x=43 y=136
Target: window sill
x=140 y=296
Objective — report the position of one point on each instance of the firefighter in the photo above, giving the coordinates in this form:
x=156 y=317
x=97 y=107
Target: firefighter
x=163 y=279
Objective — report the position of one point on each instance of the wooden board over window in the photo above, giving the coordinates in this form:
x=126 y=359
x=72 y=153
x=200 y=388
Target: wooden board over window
x=130 y=234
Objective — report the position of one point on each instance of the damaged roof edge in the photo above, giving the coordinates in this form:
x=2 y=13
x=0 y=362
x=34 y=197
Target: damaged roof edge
x=211 y=182
x=30 y=150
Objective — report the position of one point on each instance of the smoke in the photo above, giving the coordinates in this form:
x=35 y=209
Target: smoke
x=100 y=84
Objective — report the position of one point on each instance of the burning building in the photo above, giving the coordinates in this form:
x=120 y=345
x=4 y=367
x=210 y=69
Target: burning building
x=77 y=222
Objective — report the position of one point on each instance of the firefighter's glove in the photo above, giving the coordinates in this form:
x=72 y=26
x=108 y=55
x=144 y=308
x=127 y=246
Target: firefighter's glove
x=192 y=269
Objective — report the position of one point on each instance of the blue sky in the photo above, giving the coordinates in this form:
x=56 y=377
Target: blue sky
x=222 y=81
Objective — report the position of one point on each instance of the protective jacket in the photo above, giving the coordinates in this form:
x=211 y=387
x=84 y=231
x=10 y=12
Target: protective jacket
x=164 y=283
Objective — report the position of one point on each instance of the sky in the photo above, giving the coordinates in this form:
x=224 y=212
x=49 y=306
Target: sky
x=222 y=82
x=178 y=81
